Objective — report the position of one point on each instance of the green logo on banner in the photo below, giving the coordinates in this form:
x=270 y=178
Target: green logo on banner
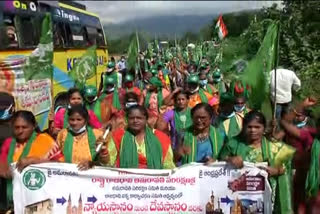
x=34 y=179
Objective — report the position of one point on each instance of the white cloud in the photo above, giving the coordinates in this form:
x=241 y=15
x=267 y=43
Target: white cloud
x=119 y=11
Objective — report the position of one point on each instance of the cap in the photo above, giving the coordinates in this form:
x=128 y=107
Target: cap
x=128 y=78
x=193 y=79
x=90 y=91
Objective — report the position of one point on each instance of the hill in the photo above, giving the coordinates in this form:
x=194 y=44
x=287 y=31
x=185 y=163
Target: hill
x=159 y=26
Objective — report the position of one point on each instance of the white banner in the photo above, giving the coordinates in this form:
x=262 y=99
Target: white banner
x=195 y=188
x=34 y=95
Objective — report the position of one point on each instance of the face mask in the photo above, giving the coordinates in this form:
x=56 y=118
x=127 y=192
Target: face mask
x=216 y=80
x=122 y=60
x=109 y=70
x=5 y=114
x=203 y=82
x=195 y=90
x=239 y=108
x=78 y=131
x=228 y=116
x=302 y=124
x=91 y=100
x=110 y=90
x=130 y=104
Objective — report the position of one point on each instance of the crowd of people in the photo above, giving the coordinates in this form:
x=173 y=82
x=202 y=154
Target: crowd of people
x=165 y=116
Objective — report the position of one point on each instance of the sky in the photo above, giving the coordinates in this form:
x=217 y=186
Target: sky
x=120 y=11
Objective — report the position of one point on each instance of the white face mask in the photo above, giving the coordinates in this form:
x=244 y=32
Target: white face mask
x=110 y=90
x=79 y=131
x=228 y=116
x=239 y=108
x=195 y=90
x=130 y=104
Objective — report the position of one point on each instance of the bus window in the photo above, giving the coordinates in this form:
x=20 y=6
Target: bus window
x=100 y=39
x=27 y=38
x=92 y=35
x=59 y=36
x=8 y=37
x=78 y=36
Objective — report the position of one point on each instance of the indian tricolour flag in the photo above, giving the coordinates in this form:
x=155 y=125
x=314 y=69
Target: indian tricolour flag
x=222 y=28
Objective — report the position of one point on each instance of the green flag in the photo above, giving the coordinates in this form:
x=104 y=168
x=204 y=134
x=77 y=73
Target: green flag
x=132 y=53
x=84 y=68
x=258 y=70
x=39 y=63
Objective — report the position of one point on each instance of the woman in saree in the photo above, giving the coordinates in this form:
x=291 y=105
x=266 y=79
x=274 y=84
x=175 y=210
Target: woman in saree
x=178 y=119
x=202 y=142
x=27 y=146
x=61 y=117
x=77 y=143
x=251 y=145
x=138 y=146
x=305 y=139
x=153 y=100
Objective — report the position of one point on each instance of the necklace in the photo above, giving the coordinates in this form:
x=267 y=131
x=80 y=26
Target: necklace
x=202 y=137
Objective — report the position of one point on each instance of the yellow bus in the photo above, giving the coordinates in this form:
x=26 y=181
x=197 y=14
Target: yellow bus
x=74 y=30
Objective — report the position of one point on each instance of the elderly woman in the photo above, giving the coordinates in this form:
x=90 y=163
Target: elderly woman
x=77 y=143
x=202 y=142
x=251 y=145
x=138 y=146
x=28 y=146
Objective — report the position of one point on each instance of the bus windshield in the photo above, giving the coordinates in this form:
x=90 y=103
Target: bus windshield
x=71 y=28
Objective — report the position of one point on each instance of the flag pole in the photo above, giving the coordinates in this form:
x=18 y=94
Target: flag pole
x=138 y=45
x=275 y=74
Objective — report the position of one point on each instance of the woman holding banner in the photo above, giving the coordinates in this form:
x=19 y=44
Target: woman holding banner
x=138 y=146
x=28 y=146
x=77 y=143
x=251 y=145
x=202 y=142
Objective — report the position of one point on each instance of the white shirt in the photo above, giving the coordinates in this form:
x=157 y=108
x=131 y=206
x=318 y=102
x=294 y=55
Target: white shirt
x=286 y=81
x=121 y=65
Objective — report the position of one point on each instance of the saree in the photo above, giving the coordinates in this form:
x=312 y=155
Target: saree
x=38 y=147
x=190 y=140
x=276 y=154
x=115 y=149
x=80 y=149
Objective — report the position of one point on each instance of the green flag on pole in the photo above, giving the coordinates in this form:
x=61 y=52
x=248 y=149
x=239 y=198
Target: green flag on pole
x=257 y=73
x=84 y=68
x=39 y=63
x=132 y=53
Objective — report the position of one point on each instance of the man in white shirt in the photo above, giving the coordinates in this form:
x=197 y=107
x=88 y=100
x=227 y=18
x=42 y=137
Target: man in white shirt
x=286 y=81
x=122 y=65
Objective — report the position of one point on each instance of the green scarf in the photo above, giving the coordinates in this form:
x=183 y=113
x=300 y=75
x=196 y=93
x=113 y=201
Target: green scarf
x=96 y=108
x=190 y=140
x=181 y=126
x=68 y=145
x=116 y=100
x=129 y=154
x=234 y=128
x=159 y=98
x=203 y=96
x=24 y=154
x=281 y=185
x=312 y=182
